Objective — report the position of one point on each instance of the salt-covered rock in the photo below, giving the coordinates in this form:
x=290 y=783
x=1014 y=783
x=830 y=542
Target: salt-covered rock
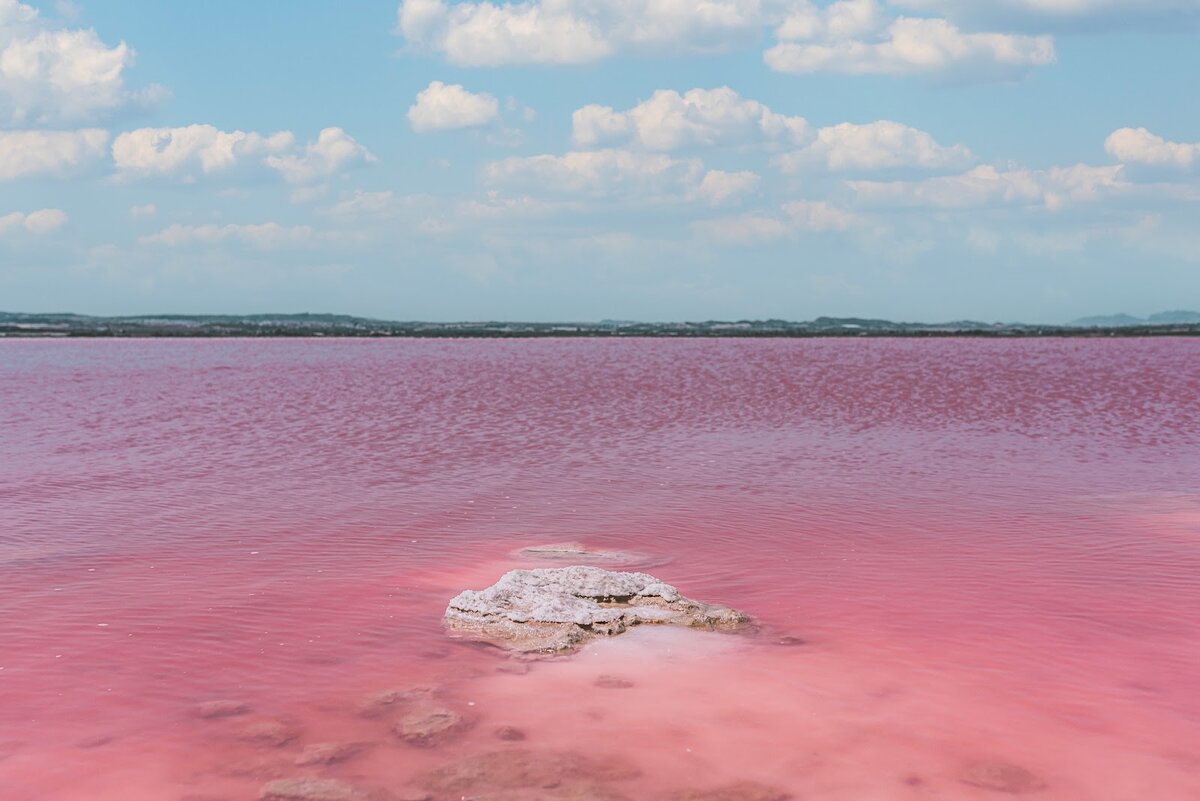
x=558 y=609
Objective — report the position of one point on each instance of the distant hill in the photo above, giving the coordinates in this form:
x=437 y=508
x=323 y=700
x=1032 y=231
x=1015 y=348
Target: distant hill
x=1118 y=320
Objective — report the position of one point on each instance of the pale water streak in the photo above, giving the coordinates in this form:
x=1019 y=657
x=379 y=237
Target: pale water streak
x=991 y=550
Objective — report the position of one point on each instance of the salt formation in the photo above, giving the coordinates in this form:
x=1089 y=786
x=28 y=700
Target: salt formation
x=560 y=609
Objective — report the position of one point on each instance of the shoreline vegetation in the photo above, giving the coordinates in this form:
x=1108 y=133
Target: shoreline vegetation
x=20 y=325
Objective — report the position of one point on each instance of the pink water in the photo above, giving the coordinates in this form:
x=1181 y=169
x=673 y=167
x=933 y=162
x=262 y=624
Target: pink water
x=991 y=549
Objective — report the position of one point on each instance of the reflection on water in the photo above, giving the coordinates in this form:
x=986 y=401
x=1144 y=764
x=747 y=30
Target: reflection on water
x=976 y=566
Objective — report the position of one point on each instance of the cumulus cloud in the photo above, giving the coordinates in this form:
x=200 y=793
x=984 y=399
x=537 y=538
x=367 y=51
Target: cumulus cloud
x=38 y=223
x=447 y=107
x=874 y=146
x=984 y=186
x=265 y=236
x=908 y=46
x=670 y=120
x=849 y=36
x=176 y=151
x=796 y=217
x=26 y=153
x=334 y=151
x=145 y=210
x=55 y=75
x=192 y=150
x=1140 y=146
x=720 y=188
x=574 y=31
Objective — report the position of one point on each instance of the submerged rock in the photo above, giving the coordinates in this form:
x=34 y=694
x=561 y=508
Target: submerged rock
x=259 y=768
x=558 y=609
x=384 y=701
x=1002 y=777
x=610 y=682
x=552 y=773
x=737 y=791
x=790 y=641
x=430 y=725
x=220 y=709
x=585 y=791
x=509 y=733
x=312 y=790
x=269 y=733
x=95 y=741
x=9 y=748
x=576 y=553
x=330 y=753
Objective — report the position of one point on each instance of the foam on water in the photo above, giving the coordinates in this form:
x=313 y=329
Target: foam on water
x=990 y=551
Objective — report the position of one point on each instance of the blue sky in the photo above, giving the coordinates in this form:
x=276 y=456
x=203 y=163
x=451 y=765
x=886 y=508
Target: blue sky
x=583 y=159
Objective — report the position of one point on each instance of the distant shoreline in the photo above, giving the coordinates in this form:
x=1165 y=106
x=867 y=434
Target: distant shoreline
x=468 y=333
x=25 y=325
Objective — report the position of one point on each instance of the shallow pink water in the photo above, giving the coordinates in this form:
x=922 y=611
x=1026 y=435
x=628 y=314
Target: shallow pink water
x=991 y=548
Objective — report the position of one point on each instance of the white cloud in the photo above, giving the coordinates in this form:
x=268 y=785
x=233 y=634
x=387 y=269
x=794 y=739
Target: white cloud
x=140 y=212
x=853 y=36
x=333 y=151
x=52 y=75
x=175 y=151
x=366 y=204
x=38 y=223
x=909 y=46
x=574 y=31
x=814 y=215
x=442 y=107
x=983 y=186
x=719 y=188
x=797 y=217
x=669 y=120
x=265 y=236
x=631 y=175
x=847 y=19
x=597 y=173
x=25 y=153
x=1140 y=146
x=877 y=145
x=204 y=149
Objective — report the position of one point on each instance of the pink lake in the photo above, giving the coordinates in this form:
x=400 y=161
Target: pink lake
x=991 y=550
